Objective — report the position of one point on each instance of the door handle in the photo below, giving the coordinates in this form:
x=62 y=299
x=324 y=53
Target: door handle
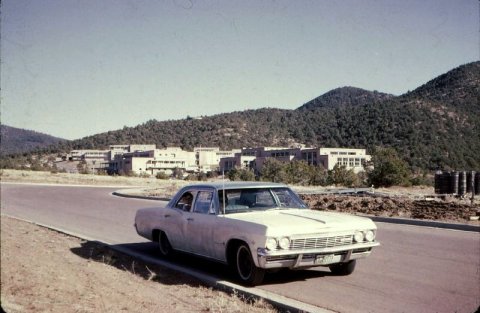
x=190 y=219
x=166 y=215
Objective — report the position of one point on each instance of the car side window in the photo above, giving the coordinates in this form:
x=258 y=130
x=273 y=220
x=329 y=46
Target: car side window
x=185 y=202
x=204 y=203
x=288 y=199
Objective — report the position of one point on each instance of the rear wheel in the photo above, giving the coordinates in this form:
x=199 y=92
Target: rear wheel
x=248 y=273
x=343 y=269
x=164 y=245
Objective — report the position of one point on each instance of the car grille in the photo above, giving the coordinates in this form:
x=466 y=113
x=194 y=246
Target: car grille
x=321 y=242
x=281 y=258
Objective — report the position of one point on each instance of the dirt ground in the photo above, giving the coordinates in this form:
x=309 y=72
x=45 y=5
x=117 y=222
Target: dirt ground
x=399 y=205
x=46 y=271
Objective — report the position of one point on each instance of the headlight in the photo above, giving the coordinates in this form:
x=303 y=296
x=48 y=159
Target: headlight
x=370 y=235
x=284 y=243
x=271 y=244
x=358 y=237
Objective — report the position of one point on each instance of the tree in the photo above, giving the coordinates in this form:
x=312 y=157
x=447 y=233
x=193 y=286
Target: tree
x=10 y=162
x=247 y=175
x=297 y=173
x=340 y=175
x=83 y=168
x=232 y=174
x=162 y=175
x=241 y=174
x=388 y=169
x=318 y=176
x=177 y=173
x=273 y=170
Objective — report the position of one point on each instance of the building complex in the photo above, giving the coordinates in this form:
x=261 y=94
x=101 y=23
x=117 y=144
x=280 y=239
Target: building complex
x=147 y=159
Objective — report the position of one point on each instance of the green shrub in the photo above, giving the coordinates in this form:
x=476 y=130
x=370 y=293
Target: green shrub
x=389 y=169
x=162 y=175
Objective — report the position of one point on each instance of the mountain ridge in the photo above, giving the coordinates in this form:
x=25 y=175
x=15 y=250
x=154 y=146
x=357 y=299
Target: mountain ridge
x=18 y=140
x=345 y=96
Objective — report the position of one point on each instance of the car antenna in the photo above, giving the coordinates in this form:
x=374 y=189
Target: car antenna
x=223 y=185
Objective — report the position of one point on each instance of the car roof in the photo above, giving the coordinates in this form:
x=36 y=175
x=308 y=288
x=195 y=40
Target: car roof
x=219 y=185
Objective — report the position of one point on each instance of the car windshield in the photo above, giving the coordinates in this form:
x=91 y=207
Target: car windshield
x=259 y=199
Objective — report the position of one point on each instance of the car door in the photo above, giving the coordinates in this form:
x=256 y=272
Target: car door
x=177 y=219
x=200 y=224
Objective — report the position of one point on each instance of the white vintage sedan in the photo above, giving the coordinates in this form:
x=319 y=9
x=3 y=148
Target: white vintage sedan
x=256 y=227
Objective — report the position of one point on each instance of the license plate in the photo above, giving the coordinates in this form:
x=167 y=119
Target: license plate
x=324 y=259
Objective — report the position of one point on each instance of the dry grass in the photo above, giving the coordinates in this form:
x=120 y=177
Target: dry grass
x=83 y=179
x=46 y=271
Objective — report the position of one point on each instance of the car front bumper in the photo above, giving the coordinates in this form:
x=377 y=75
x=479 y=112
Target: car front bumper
x=313 y=257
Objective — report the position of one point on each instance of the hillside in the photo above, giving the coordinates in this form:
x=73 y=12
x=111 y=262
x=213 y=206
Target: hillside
x=345 y=96
x=231 y=130
x=436 y=126
x=459 y=88
x=17 y=140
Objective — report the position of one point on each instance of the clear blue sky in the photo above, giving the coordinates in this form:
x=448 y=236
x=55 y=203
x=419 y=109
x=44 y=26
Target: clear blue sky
x=72 y=68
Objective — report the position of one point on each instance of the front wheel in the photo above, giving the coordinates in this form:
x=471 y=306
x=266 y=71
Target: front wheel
x=343 y=269
x=164 y=245
x=248 y=273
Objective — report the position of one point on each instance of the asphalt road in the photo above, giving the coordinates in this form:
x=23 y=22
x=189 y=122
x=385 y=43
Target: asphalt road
x=417 y=269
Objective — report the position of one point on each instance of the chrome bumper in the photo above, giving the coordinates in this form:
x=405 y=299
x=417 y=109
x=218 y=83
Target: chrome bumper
x=314 y=257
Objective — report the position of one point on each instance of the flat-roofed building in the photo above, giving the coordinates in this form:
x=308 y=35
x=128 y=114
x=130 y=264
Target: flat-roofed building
x=125 y=148
x=125 y=158
x=89 y=155
x=354 y=159
x=95 y=155
x=132 y=162
x=254 y=158
x=76 y=155
x=146 y=159
x=237 y=161
x=168 y=159
x=208 y=158
x=143 y=147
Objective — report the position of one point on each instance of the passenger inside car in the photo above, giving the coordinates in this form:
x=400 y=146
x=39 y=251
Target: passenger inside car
x=185 y=202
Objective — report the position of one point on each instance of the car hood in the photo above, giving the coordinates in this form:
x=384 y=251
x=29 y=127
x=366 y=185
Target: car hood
x=304 y=221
